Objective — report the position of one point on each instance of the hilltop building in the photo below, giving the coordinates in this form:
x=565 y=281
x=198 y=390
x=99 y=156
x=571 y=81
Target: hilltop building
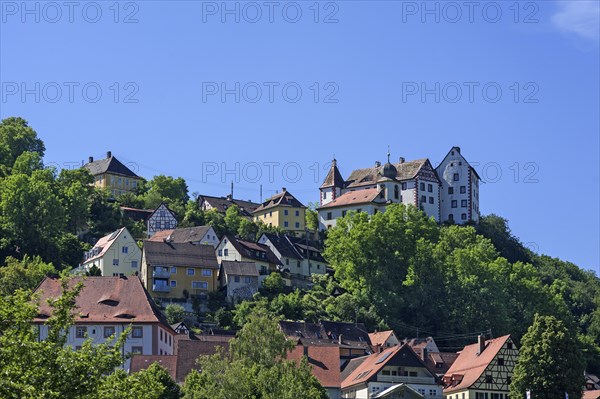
x=111 y=174
x=282 y=210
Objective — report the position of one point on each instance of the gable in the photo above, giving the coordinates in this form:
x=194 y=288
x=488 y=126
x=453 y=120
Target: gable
x=499 y=369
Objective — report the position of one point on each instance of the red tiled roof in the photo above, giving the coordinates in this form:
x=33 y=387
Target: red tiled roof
x=142 y=362
x=189 y=348
x=334 y=177
x=379 y=338
x=183 y=235
x=591 y=394
x=353 y=198
x=103 y=300
x=324 y=361
x=470 y=364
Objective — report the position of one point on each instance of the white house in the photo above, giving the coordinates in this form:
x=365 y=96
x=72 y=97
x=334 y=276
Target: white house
x=107 y=306
x=194 y=235
x=370 y=190
x=240 y=280
x=236 y=249
x=161 y=219
x=460 y=189
x=116 y=254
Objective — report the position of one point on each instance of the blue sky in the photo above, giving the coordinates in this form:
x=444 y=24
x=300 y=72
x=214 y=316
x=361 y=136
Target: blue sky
x=267 y=92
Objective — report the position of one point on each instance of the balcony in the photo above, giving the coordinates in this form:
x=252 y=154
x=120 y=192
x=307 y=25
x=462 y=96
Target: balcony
x=161 y=288
x=161 y=273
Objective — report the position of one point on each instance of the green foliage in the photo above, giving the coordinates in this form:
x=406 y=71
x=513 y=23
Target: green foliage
x=273 y=285
x=151 y=383
x=175 y=313
x=23 y=274
x=550 y=362
x=255 y=367
x=312 y=216
x=16 y=138
x=94 y=271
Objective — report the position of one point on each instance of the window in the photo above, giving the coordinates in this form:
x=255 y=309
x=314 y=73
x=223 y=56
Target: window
x=236 y=279
x=396 y=192
x=173 y=283
x=412 y=374
x=509 y=345
x=108 y=331
x=125 y=250
x=190 y=272
x=403 y=186
x=115 y=262
x=422 y=186
x=200 y=285
x=324 y=194
x=385 y=372
x=329 y=216
x=432 y=392
x=80 y=332
x=220 y=252
x=423 y=198
x=451 y=218
x=270 y=213
x=248 y=280
x=173 y=270
x=297 y=213
x=134 y=264
x=298 y=263
x=450 y=190
x=463 y=203
x=430 y=188
x=455 y=177
x=488 y=379
x=285 y=224
x=137 y=332
x=207 y=272
x=463 y=189
x=431 y=200
x=226 y=252
x=136 y=350
x=343 y=213
x=285 y=212
x=463 y=216
x=500 y=361
x=454 y=203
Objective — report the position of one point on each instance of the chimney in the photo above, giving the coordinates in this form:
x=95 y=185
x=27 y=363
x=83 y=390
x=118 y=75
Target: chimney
x=283 y=190
x=424 y=354
x=457 y=149
x=340 y=339
x=377 y=164
x=481 y=343
x=91 y=159
x=402 y=160
x=108 y=154
x=229 y=197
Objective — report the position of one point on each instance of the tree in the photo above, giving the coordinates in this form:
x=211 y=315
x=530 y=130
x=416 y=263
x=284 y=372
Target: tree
x=232 y=219
x=23 y=274
x=94 y=271
x=151 y=383
x=175 y=313
x=16 y=137
x=75 y=193
x=312 y=216
x=550 y=362
x=172 y=191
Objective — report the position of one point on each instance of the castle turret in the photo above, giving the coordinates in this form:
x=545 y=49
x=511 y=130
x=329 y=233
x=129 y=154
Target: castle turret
x=332 y=185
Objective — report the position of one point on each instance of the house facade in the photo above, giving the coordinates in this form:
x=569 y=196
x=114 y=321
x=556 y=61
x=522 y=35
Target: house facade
x=370 y=190
x=179 y=271
x=116 y=254
x=204 y=235
x=282 y=210
x=239 y=280
x=366 y=377
x=111 y=174
x=482 y=370
x=106 y=307
x=235 y=249
x=460 y=189
x=161 y=219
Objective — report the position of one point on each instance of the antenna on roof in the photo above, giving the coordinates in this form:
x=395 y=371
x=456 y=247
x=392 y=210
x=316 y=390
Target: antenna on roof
x=261 y=193
x=232 y=189
x=388 y=153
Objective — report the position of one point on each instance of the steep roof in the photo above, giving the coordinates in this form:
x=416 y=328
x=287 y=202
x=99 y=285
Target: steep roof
x=251 y=250
x=457 y=149
x=220 y=204
x=405 y=171
x=324 y=362
x=350 y=332
x=109 y=165
x=284 y=198
x=163 y=205
x=103 y=244
x=180 y=254
x=380 y=338
x=470 y=364
x=334 y=177
x=356 y=197
x=283 y=245
x=103 y=300
x=180 y=236
x=236 y=268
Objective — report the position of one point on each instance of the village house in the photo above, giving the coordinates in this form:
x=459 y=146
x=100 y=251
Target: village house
x=221 y=204
x=239 y=280
x=195 y=235
x=179 y=271
x=482 y=370
x=384 y=339
x=107 y=306
x=235 y=249
x=368 y=376
x=300 y=259
x=449 y=193
x=116 y=254
x=161 y=219
x=111 y=174
x=324 y=363
x=282 y=210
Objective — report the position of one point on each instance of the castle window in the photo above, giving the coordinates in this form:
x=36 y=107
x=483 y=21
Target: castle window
x=422 y=186
x=403 y=186
x=329 y=216
x=430 y=188
x=463 y=216
x=451 y=218
x=324 y=194
x=456 y=177
x=431 y=200
x=463 y=203
x=463 y=189
x=454 y=203
x=450 y=190
x=396 y=192
x=423 y=199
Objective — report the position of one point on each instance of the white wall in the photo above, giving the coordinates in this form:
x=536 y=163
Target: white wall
x=456 y=164
x=105 y=263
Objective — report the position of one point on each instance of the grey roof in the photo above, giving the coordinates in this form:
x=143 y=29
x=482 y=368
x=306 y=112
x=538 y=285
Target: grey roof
x=334 y=177
x=180 y=254
x=283 y=245
x=220 y=204
x=239 y=268
x=404 y=171
x=284 y=198
x=253 y=250
x=109 y=165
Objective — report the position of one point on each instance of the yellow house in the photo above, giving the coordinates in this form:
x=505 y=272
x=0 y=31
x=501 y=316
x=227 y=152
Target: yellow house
x=282 y=210
x=110 y=173
x=171 y=270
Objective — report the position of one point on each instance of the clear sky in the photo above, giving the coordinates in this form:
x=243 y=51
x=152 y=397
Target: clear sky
x=267 y=92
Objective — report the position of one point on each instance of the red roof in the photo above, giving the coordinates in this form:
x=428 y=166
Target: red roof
x=142 y=362
x=379 y=338
x=471 y=364
x=356 y=197
x=324 y=361
x=591 y=394
x=103 y=300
